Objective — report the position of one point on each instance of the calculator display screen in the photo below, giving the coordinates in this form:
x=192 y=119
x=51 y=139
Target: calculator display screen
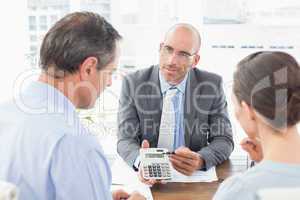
x=154 y=155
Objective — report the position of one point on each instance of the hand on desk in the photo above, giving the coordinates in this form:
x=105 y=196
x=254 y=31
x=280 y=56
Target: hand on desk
x=186 y=161
x=121 y=194
x=136 y=196
x=145 y=144
x=253 y=148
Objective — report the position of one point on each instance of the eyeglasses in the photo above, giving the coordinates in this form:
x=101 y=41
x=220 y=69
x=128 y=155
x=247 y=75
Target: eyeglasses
x=181 y=55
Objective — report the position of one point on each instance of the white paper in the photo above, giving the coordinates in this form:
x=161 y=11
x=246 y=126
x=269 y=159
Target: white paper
x=122 y=174
x=123 y=177
x=198 y=176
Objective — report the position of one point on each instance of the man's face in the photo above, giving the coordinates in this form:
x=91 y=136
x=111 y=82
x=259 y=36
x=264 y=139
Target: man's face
x=97 y=81
x=177 y=55
x=105 y=75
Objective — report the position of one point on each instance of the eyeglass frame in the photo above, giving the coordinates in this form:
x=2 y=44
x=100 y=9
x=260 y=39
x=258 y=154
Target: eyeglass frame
x=181 y=55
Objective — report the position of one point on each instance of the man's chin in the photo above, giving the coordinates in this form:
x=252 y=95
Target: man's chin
x=171 y=81
x=86 y=106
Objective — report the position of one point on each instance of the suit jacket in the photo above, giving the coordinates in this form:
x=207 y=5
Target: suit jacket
x=206 y=123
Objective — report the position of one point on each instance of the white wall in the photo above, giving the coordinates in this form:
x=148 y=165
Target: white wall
x=12 y=44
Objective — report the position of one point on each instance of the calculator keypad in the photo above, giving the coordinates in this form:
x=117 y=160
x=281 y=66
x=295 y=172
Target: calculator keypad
x=157 y=171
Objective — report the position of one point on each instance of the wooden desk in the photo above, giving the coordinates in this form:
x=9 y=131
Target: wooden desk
x=199 y=191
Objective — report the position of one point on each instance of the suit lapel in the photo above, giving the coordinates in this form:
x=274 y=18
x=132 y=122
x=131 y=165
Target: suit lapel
x=189 y=108
x=155 y=99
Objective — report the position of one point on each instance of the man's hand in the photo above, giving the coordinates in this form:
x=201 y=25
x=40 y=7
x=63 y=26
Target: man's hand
x=186 y=161
x=253 y=148
x=136 y=196
x=145 y=144
x=119 y=194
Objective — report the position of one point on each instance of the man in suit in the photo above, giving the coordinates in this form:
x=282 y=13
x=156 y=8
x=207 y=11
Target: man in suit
x=201 y=134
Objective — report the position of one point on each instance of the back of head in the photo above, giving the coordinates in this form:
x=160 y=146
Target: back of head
x=269 y=82
x=74 y=38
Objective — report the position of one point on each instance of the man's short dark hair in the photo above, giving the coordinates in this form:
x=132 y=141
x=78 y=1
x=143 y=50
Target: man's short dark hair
x=76 y=37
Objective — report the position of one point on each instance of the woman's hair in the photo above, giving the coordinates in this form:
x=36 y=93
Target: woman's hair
x=269 y=82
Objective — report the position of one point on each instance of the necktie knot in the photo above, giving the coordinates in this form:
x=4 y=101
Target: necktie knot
x=171 y=92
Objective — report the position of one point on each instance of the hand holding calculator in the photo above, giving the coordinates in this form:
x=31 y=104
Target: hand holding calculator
x=155 y=164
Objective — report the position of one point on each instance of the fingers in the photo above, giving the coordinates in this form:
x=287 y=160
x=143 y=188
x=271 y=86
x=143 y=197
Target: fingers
x=149 y=182
x=186 y=161
x=245 y=140
x=136 y=196
x=249 y=148
x=182 y=165
x=253 y=148
x=181 y=169
x=119 y=194
x=186 y=153
x=250 y=141
x=250 y=144
x=183 y=162
x=187 y=156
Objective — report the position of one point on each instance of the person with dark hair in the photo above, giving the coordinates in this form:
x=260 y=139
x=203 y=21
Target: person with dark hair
x=175 y=106
x=266 y=95
x=44 y=149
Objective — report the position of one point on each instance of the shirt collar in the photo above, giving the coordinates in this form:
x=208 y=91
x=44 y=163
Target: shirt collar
x=55 y=99
x=45 y=99
x=164 y=85
x=51 y=101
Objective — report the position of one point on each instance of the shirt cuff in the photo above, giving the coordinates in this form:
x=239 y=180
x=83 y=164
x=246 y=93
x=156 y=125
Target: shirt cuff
x=136 y=163
x=205 y=154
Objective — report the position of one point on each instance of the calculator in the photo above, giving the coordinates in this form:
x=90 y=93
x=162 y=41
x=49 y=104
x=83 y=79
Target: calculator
x=155 y=164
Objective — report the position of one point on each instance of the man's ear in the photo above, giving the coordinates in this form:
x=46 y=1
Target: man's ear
x=196 y=60
x=88 y=67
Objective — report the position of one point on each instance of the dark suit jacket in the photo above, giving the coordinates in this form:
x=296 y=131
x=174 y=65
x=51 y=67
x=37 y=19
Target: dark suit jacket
x=206 y=124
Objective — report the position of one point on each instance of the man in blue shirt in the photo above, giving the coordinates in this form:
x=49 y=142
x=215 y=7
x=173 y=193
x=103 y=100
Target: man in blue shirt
x=44 y=149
